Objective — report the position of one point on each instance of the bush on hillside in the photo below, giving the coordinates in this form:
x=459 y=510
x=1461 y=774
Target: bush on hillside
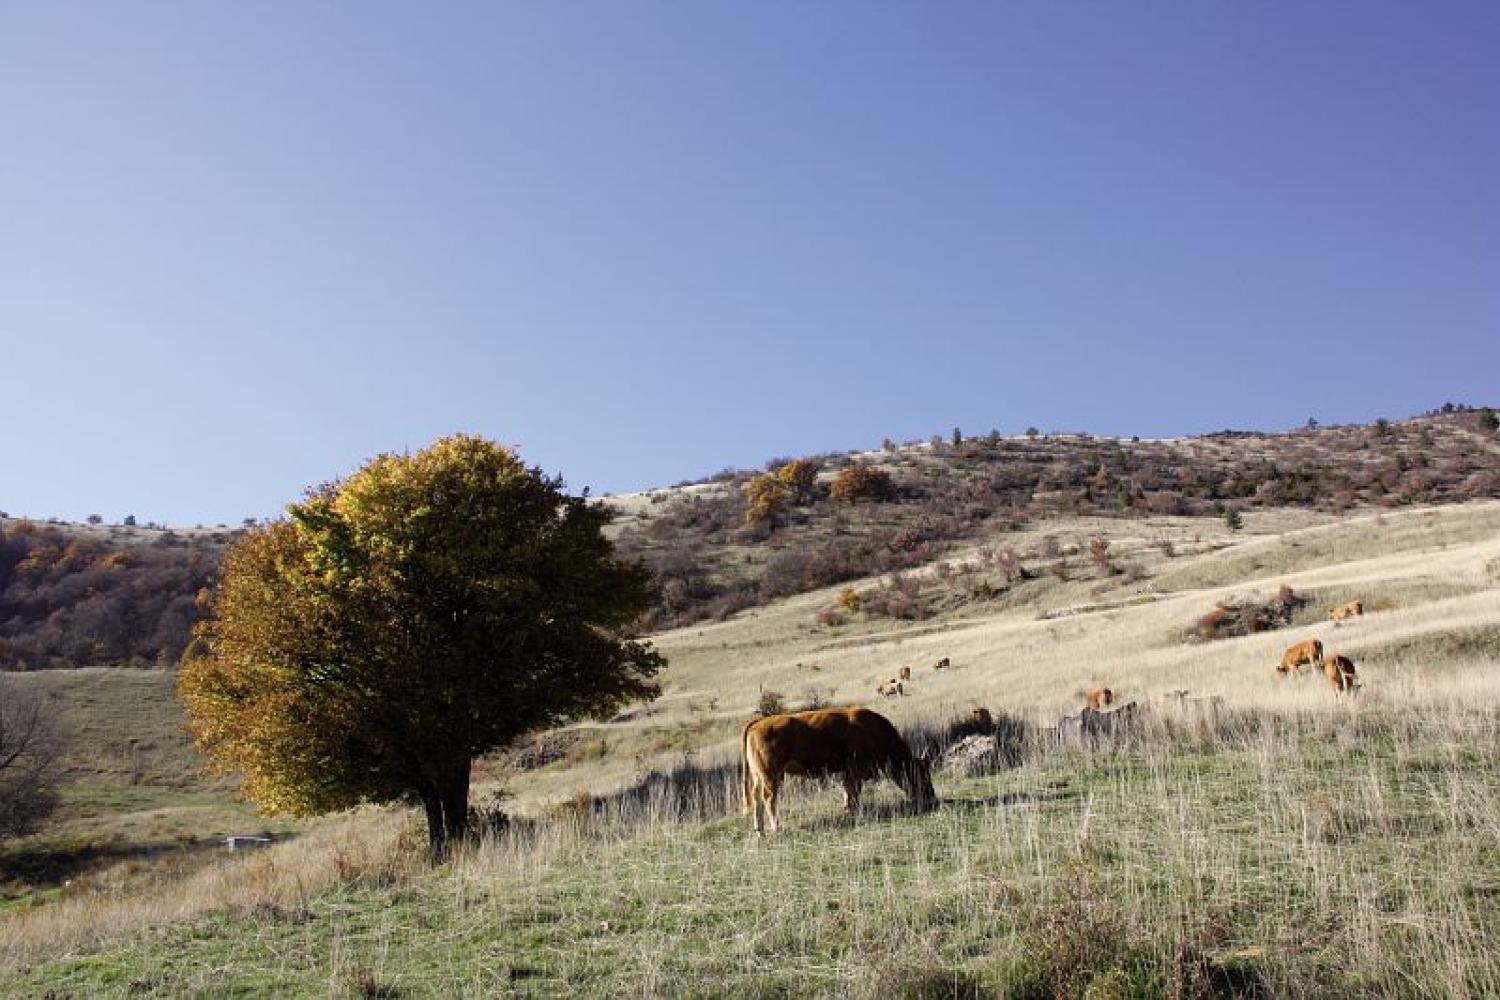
x=1229 y=619
x=862 y=483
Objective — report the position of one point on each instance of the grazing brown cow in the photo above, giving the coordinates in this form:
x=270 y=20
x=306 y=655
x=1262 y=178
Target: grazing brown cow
x=1099 y=697
x=855 y=743
x=1351 y=610
x=890 y=688
x=1340 y=671
x=906 y=673
x=1309 y=652
x=942 y=664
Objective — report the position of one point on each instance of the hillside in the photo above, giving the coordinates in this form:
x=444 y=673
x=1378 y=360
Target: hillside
x=711 y=560
x=75 y=595
x=1431 y=577
x=134 y=794
x=1241 y=850
x=81 y=595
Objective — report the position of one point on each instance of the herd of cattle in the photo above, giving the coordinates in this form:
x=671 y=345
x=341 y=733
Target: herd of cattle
x=896 y=686
x=858 y=745
x=1338 y=668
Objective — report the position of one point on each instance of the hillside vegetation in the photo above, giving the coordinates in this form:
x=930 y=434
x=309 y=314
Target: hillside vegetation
x=1277 y=841
x=718 y=547
x=135 y=798
x=74 y=595
x=79 y=595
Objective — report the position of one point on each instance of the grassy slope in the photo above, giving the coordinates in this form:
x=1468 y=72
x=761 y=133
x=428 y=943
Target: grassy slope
x=134 y=791
x=1339 y=854
x=1351 y=847
x=1434 y=571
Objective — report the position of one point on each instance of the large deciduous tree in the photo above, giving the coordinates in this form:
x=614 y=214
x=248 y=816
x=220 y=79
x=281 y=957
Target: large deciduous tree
x=423 y=611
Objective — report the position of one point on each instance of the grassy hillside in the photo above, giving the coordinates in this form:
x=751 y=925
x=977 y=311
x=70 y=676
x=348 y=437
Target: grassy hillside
x=1430 y=576
x=135 y=798
x=1339 y=852
x=83 y=595
x=1292 y=843
x=713 y=560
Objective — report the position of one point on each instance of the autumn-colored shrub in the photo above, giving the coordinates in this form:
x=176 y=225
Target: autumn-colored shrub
x=849 y=600
x=765 y=498
x=862 y=483
x=799 y=479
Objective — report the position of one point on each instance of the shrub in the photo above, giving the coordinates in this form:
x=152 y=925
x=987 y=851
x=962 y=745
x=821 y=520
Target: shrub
x=1009 y=562
x=799 y=480
x=849 y=600
x=764 y=500
x=771 y=702
x=814 y=699
x=1229 y=619
x=830 y=618
x=862 y=483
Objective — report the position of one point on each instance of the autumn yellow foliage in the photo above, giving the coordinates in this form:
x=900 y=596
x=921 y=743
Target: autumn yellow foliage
x=425 y=610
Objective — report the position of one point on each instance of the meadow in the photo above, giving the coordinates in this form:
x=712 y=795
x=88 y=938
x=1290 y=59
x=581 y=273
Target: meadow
x=1272 y=840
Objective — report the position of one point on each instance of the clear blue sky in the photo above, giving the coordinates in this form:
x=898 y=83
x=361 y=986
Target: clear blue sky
x=245 y=246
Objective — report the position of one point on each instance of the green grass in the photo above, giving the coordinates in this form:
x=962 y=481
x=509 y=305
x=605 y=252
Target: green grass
x=1346 y=853
x=134 y=790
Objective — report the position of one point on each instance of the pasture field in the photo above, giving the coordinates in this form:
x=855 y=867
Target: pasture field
x=1286 y=843
x=1349 y=851
x=134 y=798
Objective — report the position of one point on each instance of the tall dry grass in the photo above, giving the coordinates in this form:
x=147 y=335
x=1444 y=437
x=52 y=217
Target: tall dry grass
x=370 y=846
x=1349 y=849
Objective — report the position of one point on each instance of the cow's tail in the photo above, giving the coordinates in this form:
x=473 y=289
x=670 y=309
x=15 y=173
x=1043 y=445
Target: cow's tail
x=747 y=780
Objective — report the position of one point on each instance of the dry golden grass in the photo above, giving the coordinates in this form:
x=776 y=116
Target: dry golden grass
x=1434 y=574
x=1313 y=828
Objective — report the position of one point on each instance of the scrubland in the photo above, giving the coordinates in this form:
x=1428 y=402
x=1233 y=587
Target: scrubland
x=1275 y=841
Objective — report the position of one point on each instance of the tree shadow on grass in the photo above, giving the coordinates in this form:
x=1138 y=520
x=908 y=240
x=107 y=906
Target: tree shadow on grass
x=43 y=867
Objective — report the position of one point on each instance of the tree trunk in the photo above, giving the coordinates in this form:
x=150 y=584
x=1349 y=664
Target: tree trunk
x=446 y=802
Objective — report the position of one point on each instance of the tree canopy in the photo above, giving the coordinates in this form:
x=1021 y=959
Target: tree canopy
x=423 y=611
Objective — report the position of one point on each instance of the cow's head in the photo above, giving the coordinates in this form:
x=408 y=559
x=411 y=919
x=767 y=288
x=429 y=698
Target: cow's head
x=915 y=779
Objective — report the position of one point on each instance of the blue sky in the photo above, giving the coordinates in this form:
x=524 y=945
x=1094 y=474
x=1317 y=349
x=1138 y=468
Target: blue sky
x=244 y=247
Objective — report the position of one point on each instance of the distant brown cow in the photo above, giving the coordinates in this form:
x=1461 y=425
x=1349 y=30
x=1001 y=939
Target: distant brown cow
x=855 y=743
x=1340 y=671
x=942 y=664
x=1099 y=697
x=1309 y=652
x=981 y=718
x=906 y=673
x=890 y=688
x=1351 y=610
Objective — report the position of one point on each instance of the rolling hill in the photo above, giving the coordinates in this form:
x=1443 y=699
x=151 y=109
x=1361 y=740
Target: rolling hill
x=1239 y=852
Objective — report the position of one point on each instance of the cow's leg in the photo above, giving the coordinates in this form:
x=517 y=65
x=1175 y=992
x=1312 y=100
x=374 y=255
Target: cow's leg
x=772 y=787
x=851 y=793
x=756 y=806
